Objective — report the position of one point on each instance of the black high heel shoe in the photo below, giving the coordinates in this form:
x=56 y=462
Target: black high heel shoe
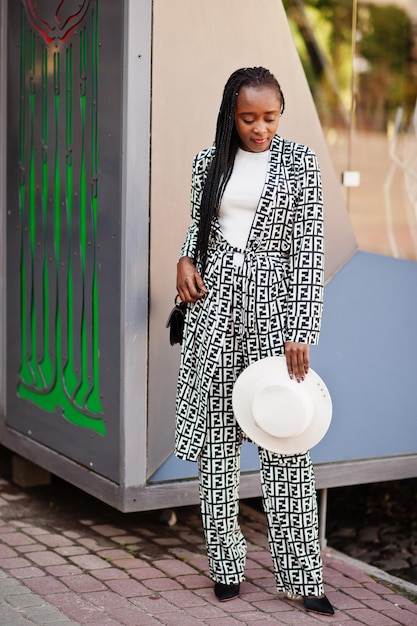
x=318 y=605
x=315 y=604
x=226 y=592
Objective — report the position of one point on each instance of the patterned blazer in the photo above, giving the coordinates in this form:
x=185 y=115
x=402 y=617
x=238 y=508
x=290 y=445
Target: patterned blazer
x=283 y=274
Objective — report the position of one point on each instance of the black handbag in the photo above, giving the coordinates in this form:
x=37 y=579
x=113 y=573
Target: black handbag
x=175 y=321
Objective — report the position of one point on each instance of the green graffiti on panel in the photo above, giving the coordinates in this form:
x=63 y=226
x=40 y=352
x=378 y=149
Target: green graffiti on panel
x=58 y=212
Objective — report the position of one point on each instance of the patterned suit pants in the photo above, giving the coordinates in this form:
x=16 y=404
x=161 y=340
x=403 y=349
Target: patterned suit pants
x=288 y=490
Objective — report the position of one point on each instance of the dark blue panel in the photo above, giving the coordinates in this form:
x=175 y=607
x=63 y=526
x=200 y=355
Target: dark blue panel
x=367 y=356
x=175 y=469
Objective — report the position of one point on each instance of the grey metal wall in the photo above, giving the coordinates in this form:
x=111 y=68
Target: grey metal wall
x=64 y=227
x=75 y=100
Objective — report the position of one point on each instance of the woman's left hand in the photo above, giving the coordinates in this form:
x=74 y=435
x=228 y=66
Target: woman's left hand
x=298 y=359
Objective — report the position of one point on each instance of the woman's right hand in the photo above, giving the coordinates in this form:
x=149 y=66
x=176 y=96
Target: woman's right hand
x=190 y=285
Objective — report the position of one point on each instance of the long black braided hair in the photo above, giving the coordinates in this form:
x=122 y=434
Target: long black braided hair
x=226 y=143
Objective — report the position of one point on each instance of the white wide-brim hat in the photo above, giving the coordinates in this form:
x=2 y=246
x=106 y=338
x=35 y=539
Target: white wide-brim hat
x=280 y=414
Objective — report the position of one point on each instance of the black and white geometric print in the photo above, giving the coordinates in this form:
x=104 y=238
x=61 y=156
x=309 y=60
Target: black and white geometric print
x=282 y=281
x=276 y=295
x=289 y=496
x=288 y=484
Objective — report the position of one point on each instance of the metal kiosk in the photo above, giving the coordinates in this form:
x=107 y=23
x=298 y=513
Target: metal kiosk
x=103 y=105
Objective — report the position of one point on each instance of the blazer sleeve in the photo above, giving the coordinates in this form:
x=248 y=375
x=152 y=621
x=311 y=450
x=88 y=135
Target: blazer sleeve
x=198 y=176
x=306 y=276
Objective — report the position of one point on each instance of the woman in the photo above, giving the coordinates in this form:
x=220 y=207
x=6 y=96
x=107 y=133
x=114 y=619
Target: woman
x=252 y=270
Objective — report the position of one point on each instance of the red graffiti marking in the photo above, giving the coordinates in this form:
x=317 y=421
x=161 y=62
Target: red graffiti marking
x=55 y=19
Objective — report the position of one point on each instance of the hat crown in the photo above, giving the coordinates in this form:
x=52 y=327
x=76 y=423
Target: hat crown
x=282 y=409
x=280 y=414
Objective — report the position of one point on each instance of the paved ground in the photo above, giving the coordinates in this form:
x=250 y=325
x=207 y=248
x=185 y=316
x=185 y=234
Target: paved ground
x=377 y=524
x=67 y=559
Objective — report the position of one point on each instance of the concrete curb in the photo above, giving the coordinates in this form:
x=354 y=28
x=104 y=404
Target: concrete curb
x=374 y=572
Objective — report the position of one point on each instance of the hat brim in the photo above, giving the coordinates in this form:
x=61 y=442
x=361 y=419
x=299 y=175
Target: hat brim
x=276 y=366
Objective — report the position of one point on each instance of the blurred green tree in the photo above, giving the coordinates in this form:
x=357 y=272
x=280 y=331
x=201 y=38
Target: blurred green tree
x=385 y=59
x=386 y=42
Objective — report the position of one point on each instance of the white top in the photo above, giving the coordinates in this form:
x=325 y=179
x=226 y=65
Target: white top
x=241 y=196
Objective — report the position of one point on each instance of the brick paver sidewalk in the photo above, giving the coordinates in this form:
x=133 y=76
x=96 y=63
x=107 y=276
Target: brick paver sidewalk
x=67 y=559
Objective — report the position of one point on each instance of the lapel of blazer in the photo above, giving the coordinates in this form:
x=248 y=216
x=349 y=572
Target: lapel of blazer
x=274 y=184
